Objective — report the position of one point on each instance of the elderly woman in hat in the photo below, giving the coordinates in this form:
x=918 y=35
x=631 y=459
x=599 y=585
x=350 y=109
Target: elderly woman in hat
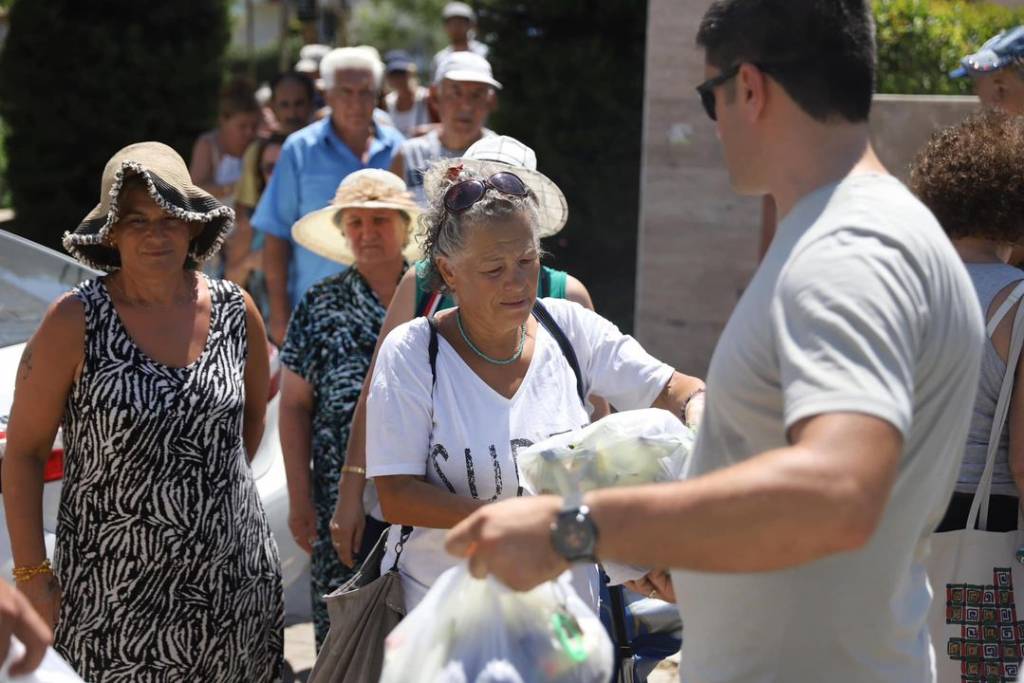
x=416 y=296
x=327 y=351
x=453 y=397
x=165 y=568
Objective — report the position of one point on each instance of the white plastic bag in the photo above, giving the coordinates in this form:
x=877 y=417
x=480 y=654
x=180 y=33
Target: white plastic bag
x=630 y=448
x=470 y=630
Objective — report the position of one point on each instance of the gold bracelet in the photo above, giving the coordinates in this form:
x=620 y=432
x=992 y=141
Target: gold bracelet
x=353 y=469
x=22 y=574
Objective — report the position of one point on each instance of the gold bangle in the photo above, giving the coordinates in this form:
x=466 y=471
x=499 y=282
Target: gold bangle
x=353 y=469
x=22 y=574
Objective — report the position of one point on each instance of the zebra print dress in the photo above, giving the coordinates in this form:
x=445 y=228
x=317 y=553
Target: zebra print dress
x=164 y=555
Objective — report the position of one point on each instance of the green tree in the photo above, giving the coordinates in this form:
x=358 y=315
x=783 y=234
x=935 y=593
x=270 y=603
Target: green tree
x=920 y=41
x=79 y=80
x=573 y=77
x=412 y=25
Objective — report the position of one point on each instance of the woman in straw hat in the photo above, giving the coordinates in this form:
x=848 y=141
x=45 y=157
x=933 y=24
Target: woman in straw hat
x=165 y=568
x=416 y=296
x=442 y=436
x=327 y=350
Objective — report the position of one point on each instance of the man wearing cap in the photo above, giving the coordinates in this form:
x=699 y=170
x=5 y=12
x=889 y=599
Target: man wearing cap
x=407 y=102
x=464 y=90
x=313 y=162
x=997 y=71
x=459 y=22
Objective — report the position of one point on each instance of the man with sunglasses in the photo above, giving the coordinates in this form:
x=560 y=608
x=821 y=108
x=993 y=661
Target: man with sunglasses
x=839 y=394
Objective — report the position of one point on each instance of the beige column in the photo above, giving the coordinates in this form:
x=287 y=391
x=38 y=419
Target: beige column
x=698 y=240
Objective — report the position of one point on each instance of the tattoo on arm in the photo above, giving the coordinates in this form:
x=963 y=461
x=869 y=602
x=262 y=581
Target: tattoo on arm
x=25 y=366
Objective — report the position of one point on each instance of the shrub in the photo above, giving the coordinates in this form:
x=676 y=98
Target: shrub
x=920 y=41
x=78 y=81
x=573 y=77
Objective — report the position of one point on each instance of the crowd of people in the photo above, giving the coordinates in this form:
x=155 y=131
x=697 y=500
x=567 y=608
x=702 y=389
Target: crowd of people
x=390 y=244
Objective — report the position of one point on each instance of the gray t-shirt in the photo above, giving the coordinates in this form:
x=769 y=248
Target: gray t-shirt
x=861 y=305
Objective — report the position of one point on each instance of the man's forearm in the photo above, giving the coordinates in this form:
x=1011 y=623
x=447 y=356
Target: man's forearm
x=778 y=510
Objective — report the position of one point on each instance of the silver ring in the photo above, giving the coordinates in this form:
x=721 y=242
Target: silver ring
x=652 y=594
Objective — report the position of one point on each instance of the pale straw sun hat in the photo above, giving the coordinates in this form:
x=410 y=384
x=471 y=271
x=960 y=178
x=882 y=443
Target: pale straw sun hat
x=169 y=184
x=371 y=188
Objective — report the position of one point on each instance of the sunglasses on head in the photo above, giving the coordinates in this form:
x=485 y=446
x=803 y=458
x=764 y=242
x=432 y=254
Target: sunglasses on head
x=706 y=90
x=462 y=195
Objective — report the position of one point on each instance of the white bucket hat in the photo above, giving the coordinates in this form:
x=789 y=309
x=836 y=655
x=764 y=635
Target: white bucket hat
x=371 y=188
x=496 y=153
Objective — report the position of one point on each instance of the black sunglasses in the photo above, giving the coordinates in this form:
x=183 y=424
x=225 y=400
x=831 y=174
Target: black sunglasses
x=706 y=90
x=461 y=196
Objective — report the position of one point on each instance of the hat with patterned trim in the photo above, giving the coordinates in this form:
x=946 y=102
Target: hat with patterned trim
x=998 y=52
x=168 y=182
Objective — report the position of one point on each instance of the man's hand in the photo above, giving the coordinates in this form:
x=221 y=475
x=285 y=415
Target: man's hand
x=302 y=523
x=18 y=618
x=510 y=540
x=657 y=584
x=349 y=520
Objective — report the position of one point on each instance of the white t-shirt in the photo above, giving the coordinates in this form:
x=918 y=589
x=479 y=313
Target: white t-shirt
x=861 y=305
x=471 y=448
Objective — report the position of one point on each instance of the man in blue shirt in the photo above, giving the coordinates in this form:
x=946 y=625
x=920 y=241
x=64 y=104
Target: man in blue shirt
x=313 y=161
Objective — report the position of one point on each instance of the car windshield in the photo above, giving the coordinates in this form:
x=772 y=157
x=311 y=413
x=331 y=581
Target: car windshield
x=31 y=277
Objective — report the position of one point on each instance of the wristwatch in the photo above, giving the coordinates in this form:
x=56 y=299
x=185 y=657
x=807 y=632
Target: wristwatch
x=574 y=534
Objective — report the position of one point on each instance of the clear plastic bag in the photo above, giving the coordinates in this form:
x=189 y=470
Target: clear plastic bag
x=469 y=630
x=630 y=448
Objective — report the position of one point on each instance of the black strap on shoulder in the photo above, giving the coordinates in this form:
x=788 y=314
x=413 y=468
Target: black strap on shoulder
x=432 y=351
x=543 y=316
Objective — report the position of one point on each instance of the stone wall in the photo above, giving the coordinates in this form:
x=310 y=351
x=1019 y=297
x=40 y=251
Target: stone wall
x=698 y=241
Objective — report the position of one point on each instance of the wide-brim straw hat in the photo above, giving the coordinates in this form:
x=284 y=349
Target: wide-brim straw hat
x=168 y=182
x=502 y=153
x=321 y=231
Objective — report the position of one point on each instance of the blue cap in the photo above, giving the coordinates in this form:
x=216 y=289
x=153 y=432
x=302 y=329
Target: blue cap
x=399 y=60
x=1003 y=50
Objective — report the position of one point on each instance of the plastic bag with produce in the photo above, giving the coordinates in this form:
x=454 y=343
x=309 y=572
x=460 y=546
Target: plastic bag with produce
x=469 y=630
x=630 y=448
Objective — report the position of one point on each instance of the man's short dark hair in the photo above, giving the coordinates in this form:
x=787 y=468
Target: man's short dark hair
x=296 y=77
x=822 y=52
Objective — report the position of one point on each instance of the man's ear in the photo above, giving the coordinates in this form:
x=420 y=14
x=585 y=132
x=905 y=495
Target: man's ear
x=752 y=91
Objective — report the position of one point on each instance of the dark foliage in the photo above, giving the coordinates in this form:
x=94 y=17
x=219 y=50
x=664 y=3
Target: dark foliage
x=79 y=80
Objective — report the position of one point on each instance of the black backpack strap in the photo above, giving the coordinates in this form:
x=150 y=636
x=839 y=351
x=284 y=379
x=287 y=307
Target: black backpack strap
x=432 y=357
x=543 y=316
x=432 y=351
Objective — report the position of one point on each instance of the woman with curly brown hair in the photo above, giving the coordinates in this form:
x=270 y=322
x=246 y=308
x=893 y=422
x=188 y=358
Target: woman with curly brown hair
x=971 y=178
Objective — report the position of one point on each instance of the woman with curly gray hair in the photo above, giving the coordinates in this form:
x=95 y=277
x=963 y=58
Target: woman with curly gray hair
x=454 y=397
x=970 y=176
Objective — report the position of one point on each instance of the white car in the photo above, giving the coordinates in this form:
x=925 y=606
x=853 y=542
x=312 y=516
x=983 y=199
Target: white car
x=31 y=277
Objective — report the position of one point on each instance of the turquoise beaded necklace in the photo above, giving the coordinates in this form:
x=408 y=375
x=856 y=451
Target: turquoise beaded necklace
x=494 y=361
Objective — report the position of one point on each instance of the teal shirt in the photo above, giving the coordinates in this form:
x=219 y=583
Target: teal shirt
x=551 y=283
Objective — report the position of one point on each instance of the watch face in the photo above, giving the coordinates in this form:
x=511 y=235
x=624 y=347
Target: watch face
x=577 y=536
x=574 y=536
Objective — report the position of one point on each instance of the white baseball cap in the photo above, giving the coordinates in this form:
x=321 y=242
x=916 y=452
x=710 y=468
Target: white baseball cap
x=458 y=9
x=466 y=66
